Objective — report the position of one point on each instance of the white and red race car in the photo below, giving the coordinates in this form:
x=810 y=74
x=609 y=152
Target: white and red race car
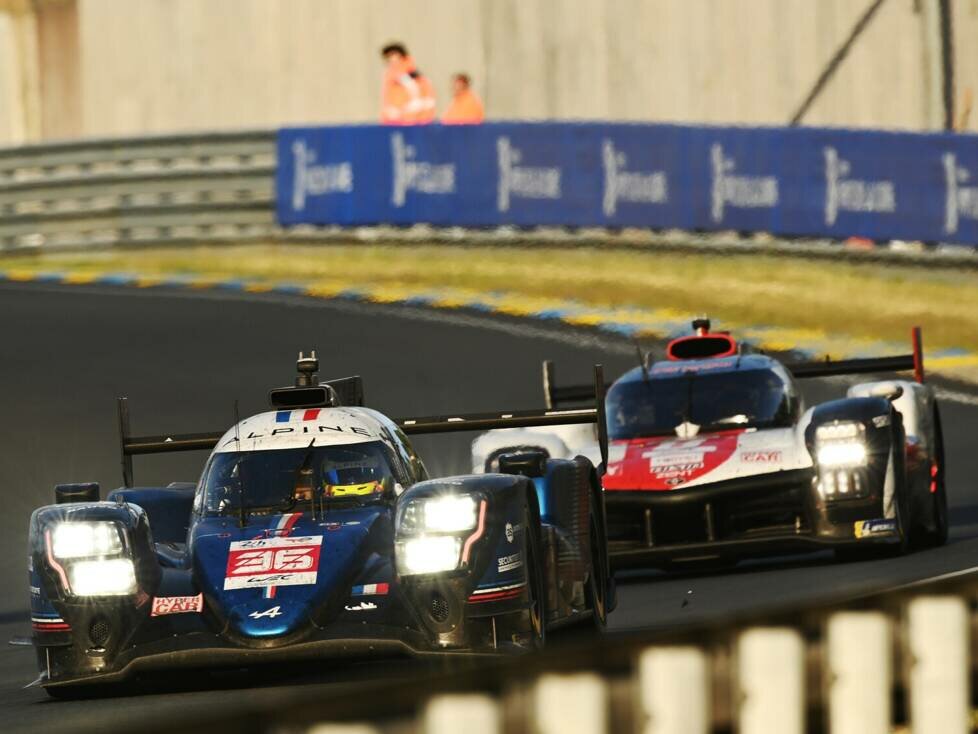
x=712 y=455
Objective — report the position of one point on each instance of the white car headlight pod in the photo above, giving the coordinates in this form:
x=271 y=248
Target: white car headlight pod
x=428 y=554
x=86 y=539
x=112 y=577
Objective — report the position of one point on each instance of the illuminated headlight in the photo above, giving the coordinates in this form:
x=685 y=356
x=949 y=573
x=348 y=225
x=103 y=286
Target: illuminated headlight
x=840 y=445
x=449 y=514
x=112 y=577
x=842 y=453
x=428 y=554
x=86 y=539
x=839 y=431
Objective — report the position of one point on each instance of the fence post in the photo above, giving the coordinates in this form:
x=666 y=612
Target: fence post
x=939 y=646
x=859 y=673
x=771 y=681
x=674 y=691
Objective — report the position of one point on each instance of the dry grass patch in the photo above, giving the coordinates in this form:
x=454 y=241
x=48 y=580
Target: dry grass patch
x=861 y=300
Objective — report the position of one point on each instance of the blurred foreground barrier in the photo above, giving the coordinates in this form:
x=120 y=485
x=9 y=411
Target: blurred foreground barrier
x=786 y=181
x=901 y=661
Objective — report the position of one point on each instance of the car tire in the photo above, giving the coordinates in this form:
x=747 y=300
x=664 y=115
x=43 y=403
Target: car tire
x=536 y=612
x=870 y=551
x=597 y=587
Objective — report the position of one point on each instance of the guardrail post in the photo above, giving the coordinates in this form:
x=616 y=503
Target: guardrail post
x=674 y=691
x=566 y=703
x=939 y=645
x=859 y=673
x=771 y=681
x=461 y=713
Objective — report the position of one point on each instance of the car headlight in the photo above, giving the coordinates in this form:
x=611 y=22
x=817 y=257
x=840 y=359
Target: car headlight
x=436 y=533
x=86 y=539
x=447 y=514
x=108 y=577
x=428 y=554
x=851 y=453
x=840 y=445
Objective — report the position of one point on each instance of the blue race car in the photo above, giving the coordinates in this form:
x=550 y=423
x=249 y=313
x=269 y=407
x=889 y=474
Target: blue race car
x=315 y=532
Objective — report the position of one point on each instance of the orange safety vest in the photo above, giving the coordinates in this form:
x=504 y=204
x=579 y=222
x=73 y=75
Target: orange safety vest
x=464 y=109
x=423 y=109
x=402 y=105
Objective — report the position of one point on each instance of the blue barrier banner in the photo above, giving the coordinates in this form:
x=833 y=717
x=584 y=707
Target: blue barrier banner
x=787 y=181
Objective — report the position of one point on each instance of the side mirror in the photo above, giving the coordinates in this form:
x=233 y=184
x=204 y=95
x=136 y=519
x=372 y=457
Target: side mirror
x=78 y=492
x=528 y=464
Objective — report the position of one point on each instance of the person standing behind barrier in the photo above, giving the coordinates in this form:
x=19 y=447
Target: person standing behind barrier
x=407 y=97
x=465 y=107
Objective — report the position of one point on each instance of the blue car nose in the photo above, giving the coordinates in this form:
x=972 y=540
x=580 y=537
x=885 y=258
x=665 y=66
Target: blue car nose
x=267 y=617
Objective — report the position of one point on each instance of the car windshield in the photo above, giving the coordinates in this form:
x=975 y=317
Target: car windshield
x=280 y=480
x=750 y=398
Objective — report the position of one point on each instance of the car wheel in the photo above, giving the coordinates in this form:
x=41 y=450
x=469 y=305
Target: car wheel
x=901 y=504
x=597 y=588
x=536 y=613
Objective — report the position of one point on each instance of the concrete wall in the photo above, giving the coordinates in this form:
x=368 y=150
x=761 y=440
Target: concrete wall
x=105 y=67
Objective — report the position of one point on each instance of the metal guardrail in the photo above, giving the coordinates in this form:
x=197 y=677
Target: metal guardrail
x=141 y=190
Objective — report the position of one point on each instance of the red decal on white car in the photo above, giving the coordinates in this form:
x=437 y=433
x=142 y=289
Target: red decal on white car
x=667 y=462
x=763 y=457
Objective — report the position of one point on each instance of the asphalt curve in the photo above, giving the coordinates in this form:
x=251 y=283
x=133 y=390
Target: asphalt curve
x=184 y=358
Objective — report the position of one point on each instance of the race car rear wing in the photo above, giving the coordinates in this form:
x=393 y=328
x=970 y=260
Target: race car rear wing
x=556 y=396
x=454 y=423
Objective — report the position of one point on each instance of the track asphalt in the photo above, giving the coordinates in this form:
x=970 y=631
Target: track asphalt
x=183 y=357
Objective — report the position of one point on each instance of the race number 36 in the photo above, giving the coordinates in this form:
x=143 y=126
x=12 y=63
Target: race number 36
x=286 y=559
x=282 y=561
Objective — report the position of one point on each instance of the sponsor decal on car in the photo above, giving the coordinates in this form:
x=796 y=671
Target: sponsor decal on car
x=364 y=606
x=760 y=457
x=881 y=421
x=264 y=562
x=370 y=590
x=163 y=605
x=509 y=563
x=868 y=528
x=511 y=530
x=270 y=613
